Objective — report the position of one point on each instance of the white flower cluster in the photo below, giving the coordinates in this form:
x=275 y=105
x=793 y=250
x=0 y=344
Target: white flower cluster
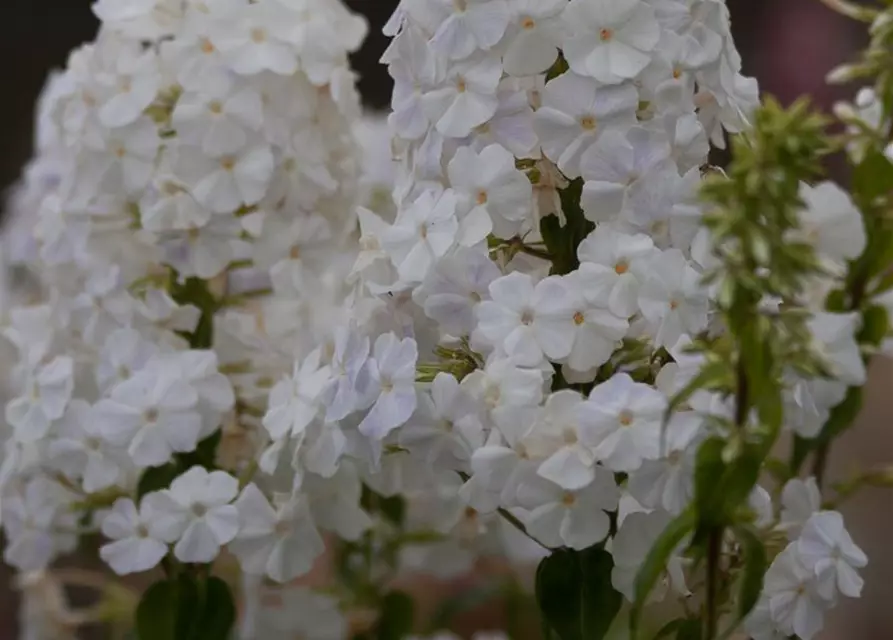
x=504 y=113
x=811 y=573
x=200 y=182
x=188 y=220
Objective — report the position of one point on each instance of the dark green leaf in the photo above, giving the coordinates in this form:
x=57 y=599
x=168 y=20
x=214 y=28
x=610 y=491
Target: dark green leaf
x=690 y=629
x=205 y=455
x=709 y=471
x=217 y=614
x=394 y=509
x=875 y=326
x=599 y=601
x=195 y=291
x=656 y=562
x=186 y=609
x=562 y=241
x=557 y=69
x=558 y=593
x=397 y=613
x=156 y=479
x=873 y=176
x=156 y=614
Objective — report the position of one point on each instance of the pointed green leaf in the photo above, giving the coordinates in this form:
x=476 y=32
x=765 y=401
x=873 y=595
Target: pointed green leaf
x=599 y=601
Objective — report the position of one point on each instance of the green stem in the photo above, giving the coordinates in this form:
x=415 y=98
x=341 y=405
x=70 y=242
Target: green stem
x=714 y=555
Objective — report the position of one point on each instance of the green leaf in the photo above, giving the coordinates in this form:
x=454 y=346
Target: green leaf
x=575 y=593
x=599 y=601
x=217 y=616
x=562 y=241
x=156 y=614
x=195 y=291
x=875 y=326
x=557 y=69
x=873 y=176
x=558 y=593
x=751 y=579
x=709 y=471
x=397 y=613
x=656 y=562
x=394 y=509
x=186 y=609
x=690 y=629
x=156 y=479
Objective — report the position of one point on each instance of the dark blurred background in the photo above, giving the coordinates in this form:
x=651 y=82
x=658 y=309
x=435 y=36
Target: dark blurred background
x=789 y=45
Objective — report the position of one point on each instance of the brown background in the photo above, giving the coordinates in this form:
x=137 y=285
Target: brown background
x=788 y=44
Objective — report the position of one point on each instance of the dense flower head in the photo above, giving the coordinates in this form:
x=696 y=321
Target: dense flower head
x=488 y=316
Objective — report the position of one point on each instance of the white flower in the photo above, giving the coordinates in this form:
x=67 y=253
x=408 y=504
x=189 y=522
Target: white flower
x=618 y=168
x=227 y=181
x=445 y=429
x=282 y=543
x=257 y=37
x=82 y=454
x=597 y=330
x=335 y=503
x=672 y=298
x=295 y=401
x=125 y=158
x=31 y=518
x=611 y=40
x=634 y=539
x=196 y=512
x=218 y=120
x=555 y=437
x=467 y=25
x=833 y=338
x=528 y=320
x=794 y=602
x=491 y=188
x=393 y=373
x=799 y=500
x=534 y=47
x=628 y=256
x=47 y=392
x=467 y=96
x=622 y=422
x=831 y=223
x=152 y=414
x=422 y=233
x=576 y=111
x=455 y=286
x=136 y=545
x=668 y=483
x=577 y=519
x=413 y=70
x=349 y=374
x=826 y=548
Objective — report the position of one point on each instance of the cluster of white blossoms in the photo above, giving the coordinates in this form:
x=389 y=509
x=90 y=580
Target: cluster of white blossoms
x=202 y=290
x=187 y=224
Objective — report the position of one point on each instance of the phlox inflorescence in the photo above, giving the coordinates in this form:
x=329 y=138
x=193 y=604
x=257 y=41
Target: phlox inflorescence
x=206 y=281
